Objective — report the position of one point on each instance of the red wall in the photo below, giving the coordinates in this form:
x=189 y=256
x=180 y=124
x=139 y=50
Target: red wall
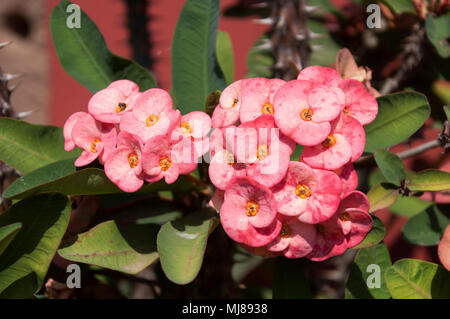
x=67 y=96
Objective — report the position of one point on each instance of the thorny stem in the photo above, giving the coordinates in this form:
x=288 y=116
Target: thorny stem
x=443 y=140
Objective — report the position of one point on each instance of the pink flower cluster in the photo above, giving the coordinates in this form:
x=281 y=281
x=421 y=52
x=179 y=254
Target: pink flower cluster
x=272 y=205
x=137 y=136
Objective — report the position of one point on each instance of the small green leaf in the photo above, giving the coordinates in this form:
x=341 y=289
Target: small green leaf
x=225 y=55
x=7 y=234
x=447 y=112
x=84 y=55
x=382 y=196
x=289 y=280
x=437 y=29
x=27 y=147
x=430 y=180
x=364 y=272
x=399 y=116
x=417 y=279
x=24 y=263
x=259 y=61
x=375 y=235
x=409 y=206
x=182 y=243
x=126 y=248
x=195 y=69
x=426 y=228
x=63 y=178
x=391 y=166
x=244 y=264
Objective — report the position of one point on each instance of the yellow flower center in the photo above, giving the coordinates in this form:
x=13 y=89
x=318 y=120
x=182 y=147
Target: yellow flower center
x=262 y=152
x=185 y=128
x=285 y=231
x=93 y=145
x=165 y=163
x=344 y=216
x=121 y=107
x=252 y=208
x=133 y=160
x=229 y=158
x=306 y=114
x=329 y=141
x=346 y=111
x=151 y=120
x=267 y=108
x=302 y=191
x=235 y=101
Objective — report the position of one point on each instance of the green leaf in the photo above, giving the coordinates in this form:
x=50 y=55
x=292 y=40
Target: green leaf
x=447 y=111
x=430 y=180
x=84 y=55
x=399 y=116
x=375 y=235
x=225 y=55
x=27 y=147
x=417 y=279
x=7 y=234
x=195 y=69
x=327 y=48
x=364 y=272
x=409 y=206
x=289 y=280
x=62 y=177
x=382 y=196
x=126 y=248
x=24 y=263
x=391 y=166
x=438 y=31
x=244 y=264
x=426 y=228
x=182 y=243
x=259 y=60
x=400 y=6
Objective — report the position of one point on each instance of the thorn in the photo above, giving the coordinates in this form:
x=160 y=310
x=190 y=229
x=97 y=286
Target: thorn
x=22 y=115
x=310 y=9
x=12 y=88
x=4 y=44
x=265 y=21
x=314 y=35
x=300 y=37
x=8 y=77
x=264 y=45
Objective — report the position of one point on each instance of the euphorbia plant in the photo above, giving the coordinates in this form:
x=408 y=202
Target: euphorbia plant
x=268 y=165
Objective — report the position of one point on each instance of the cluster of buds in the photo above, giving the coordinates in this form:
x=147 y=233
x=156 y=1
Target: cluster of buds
x=273 y=204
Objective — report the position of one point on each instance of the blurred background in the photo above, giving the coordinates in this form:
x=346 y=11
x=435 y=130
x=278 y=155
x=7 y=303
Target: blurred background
x=398 y=51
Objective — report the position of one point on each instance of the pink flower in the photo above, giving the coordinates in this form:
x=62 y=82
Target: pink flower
x=96 y=139
x=223 y=168
x=195 y=126
x=163 y=159
x=330 y=240
x=258 y=145
x=303 y=111
x=325 y=76
x=257 y=98
x=68 y=127
x=345 y=143
x=124 y=165
x=354 y=218
x=110 y=104
x=358 y=101
x=295 y=239
x=216 y=200
x=227 y=112
x=248 y=213
x=313 y=195
x=152 y=115
x=348 y=177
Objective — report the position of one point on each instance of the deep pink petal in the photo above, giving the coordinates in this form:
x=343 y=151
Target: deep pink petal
x=225 y=117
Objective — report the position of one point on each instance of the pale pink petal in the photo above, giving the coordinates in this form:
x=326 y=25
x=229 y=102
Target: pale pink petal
x=118 y=170
x=86 y=158
x=311 y=133
x=303 y=237
x=444 y=249
x=199 y=123
x=321 y=75
x=231 y=96
x=221 y=172
x=353 y=133
x=359 y=103
x=224 y=117
x=361 y=224
x=324 y=103
x=348 y=177
x=330 y=158
x=127 y=87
